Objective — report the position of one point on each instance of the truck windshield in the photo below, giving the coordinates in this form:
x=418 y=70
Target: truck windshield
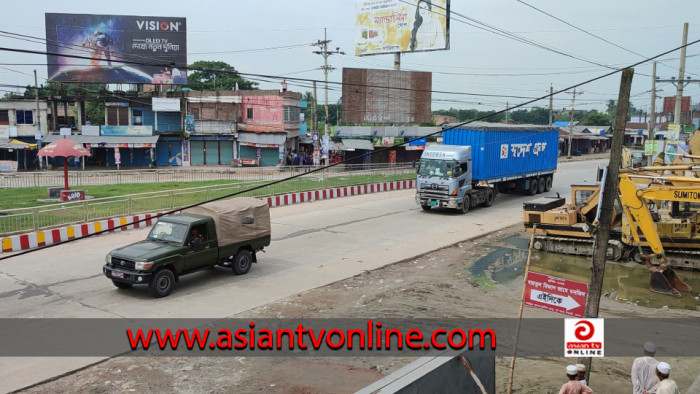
x=168 y=232
x=433 y=167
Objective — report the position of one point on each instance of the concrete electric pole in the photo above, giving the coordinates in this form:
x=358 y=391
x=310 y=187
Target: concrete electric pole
x=38 y=116
x=652 y=121
x=571 y=125
x=326 y=68
x=681 y=82
x=551 y=99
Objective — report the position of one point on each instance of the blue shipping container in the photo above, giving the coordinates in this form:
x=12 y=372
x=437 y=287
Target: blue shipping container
x=503 y=152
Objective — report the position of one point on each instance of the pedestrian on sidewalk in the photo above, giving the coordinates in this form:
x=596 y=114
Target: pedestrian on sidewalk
x=573 y=386
x=644 y=370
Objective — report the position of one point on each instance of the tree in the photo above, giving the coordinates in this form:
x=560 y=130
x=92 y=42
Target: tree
x=595 y=118
x=213 y=75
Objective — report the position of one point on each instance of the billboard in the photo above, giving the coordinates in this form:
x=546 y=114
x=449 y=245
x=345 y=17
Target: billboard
x=390 y=26
x=386 y=96
x=670 y=104
x=107 y=43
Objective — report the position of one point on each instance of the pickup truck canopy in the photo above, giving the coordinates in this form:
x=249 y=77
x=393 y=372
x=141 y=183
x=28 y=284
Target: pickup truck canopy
x=238 y=219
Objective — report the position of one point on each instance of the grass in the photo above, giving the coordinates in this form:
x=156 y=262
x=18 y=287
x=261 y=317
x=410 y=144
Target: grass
x=123 y=202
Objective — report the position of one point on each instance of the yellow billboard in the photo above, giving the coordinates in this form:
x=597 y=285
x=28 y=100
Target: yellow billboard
x=390 y=26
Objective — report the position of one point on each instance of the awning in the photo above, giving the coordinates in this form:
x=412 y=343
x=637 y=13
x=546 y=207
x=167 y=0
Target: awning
x=262 y=138
x=16 y=144
x=352 y=144
x=106 y=139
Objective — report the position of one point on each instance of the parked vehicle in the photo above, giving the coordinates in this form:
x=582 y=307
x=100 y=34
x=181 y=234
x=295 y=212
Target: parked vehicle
x=477 y=162
x=228 y=233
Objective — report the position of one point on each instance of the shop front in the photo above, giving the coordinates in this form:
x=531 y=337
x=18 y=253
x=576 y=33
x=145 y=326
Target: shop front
x=211 y=150
x=110 y=151
x=267 y=149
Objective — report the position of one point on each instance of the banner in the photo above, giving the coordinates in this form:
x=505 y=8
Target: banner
x=114 y=49
x=390 y=26
x=127 y=130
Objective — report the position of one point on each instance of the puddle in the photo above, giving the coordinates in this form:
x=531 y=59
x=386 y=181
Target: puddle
x=627 y=283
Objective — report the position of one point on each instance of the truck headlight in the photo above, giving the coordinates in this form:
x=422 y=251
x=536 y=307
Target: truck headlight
x=143 y=265
x=108 y=259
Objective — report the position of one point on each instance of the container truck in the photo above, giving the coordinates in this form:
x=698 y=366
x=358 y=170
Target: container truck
x=477 y=161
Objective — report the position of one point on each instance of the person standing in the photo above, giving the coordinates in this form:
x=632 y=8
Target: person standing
x=644 y=370
x=666 y=385
x=573 y=386
x=581 y=370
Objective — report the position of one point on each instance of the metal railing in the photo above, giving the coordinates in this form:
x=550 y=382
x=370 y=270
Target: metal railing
x=21 y=220
x=179 y=174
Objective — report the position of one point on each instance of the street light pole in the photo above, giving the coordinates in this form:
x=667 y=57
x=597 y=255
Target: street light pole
x=571 y=124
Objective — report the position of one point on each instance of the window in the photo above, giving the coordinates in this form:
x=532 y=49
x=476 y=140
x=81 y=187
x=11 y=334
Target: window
x=25 y=117
x=249 y=113
x=4 y=117
x=137 y=117
x=291 y=114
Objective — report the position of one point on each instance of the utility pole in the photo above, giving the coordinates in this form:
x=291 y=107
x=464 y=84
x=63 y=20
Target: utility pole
x=314 y=113
x=609 y=193
x=325 y=53
x=652 y=121
x=38 y=114
x=507 y=104
x=571 y=125
x=551 y=97
x=681 y=73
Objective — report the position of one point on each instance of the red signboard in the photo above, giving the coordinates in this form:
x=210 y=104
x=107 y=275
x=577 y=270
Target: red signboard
x=71 y=195
x=670 y=104
x=554 y=294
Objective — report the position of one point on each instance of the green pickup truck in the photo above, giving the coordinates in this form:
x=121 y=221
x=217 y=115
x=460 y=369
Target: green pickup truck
x=226 y=233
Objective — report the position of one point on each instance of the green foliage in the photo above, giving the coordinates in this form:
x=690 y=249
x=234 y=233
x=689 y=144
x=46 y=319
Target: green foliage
x=206 y=77
x=595 y=118
x=520 y=116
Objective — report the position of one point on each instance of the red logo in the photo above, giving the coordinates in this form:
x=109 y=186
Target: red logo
x=584 y=333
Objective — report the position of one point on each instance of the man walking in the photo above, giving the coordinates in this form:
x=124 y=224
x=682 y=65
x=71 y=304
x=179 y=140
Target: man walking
x=644 y=370
x=573 y=386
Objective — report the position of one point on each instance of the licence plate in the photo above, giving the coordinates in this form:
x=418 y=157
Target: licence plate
x=118 y=274
x=433 y=203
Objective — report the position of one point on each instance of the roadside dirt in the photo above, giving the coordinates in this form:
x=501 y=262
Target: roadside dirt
x=435 y=285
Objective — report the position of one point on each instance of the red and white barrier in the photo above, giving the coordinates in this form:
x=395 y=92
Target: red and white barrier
x=38 y=239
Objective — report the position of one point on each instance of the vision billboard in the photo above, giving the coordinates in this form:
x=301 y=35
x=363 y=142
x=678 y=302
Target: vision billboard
x=390 y=26
x=109 y=43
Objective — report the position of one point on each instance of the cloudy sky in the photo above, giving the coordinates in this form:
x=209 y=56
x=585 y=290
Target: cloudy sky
x=502 y=51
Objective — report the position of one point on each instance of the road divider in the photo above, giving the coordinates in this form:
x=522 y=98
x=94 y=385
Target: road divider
x=37 y=239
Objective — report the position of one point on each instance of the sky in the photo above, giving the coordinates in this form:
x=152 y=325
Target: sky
x=481 y=70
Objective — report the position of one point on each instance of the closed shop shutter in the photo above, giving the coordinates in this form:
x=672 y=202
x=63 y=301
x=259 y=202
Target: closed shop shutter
x=212 y=152
x=226 y=152
x=269 y=157
x=169 y=153
x=197 y=153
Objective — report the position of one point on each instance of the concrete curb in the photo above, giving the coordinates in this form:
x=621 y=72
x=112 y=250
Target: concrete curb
x=34 y=240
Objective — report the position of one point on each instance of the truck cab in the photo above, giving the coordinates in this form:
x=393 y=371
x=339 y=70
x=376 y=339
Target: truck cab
x=444 y=179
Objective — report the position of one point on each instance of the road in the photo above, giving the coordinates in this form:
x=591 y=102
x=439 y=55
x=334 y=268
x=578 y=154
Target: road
x=313 y=244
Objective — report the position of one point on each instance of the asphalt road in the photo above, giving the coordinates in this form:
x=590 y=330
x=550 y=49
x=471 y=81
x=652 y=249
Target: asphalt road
x=313 y=244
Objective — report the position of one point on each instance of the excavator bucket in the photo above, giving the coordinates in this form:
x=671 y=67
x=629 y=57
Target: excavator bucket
x=660 y=284
x=675 y=281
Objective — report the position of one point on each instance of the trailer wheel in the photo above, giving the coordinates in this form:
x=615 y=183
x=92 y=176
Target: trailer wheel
x=162 y=283
x=425 y=207
x=489 y=198
x=533 y=187
x=242 y=262
x=540 y=185
x=548 y=183
x=465 y=203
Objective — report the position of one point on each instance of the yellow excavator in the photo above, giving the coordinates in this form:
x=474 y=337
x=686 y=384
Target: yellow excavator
x=568 y=228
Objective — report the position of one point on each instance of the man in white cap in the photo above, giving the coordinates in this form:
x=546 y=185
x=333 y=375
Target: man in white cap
x=573 y=386
x=644 y=371
x=581 y=370
x=666 y=385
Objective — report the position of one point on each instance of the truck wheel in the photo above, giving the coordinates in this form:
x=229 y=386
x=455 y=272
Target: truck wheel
x=534 y=184
x=548 y=183
x=540 y=185
x=465 y=203
x=242 y=262
x=425 y=207
x=121 y=285
x=162 y=283
x=489 y=198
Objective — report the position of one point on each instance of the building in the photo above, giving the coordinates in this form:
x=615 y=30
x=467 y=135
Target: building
x=20 y=129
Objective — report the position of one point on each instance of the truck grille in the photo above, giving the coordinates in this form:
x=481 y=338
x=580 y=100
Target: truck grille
x=123 y=263
x=434 y=190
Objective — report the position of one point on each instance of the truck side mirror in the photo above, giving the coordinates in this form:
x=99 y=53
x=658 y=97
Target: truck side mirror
x=413 y=164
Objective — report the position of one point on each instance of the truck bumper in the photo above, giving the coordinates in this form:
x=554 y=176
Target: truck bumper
x=434 y=202
x=124 y=276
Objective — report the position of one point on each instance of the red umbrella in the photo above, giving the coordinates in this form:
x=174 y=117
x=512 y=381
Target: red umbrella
x=64 y=148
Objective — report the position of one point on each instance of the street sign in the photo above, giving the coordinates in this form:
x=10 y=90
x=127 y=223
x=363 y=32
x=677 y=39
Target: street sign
x=554 y=294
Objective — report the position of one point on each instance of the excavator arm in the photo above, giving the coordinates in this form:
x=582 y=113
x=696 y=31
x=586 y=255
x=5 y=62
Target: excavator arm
x=635 y=206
